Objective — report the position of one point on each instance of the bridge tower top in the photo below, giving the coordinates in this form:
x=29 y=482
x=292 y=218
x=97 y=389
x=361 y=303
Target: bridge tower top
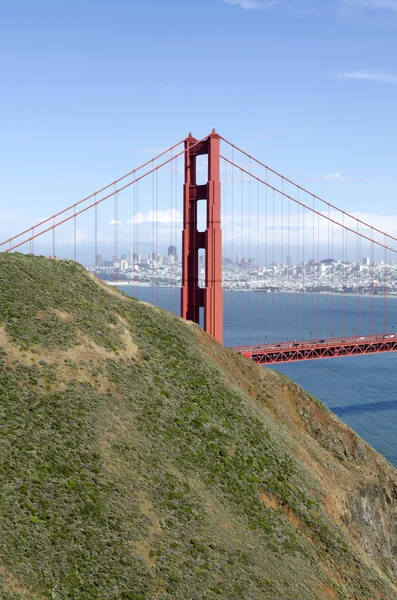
x=194 y=297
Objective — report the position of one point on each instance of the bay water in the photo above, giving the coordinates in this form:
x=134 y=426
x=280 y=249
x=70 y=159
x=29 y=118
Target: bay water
x=361 y=390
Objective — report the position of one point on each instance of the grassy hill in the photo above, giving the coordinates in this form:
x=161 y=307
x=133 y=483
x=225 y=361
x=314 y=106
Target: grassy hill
x=140 y=460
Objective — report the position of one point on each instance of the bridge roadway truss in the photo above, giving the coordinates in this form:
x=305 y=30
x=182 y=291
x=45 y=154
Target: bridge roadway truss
x=315 y=349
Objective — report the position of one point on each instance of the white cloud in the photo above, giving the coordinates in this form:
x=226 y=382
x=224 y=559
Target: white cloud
x=274 y=227
x=337 y=176
x=308 y=6
x=382 y=222
x=14 y=217
x=297 y=7
x=113 y=222
x=366 y=75
x=253 y=4
x=83 y=236
x=333 y=177
x=160 y=216
x=377 y=4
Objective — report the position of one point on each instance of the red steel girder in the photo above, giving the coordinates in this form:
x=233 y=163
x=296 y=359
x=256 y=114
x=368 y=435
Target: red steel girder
x=318 y=349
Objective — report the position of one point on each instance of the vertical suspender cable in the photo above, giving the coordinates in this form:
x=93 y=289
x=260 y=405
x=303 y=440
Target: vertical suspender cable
x=157 y=236
x=298 y=317
x=358 y=292
x=274 y=268
x=96 y=239
x=175 y=265
x=385 y=287
x=332 y=280
x=327 y=271
x=153 y=254
x=258 y=340
x=116 y=238
x=346 y=285
x=135 y=253
x=331 y=266
x=303 y=296
x=232 y=258
x=75 y=236
x=53 y=238
x=281 y=295
x=266 y=265
x=318 y=277
x=344 y=234
x=170 y=265
x=241 y=295
x=289 y=264
x=372 y=259
x=249 y=254
x=137 y=237
x=312 y=265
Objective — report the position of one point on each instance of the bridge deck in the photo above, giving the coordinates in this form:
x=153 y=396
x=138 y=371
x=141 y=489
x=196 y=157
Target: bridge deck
x=316 y=349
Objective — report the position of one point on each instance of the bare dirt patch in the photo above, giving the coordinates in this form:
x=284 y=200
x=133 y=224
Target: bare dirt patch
x=65 y=316
x=327 y=592
x=142 y=547
x=131 y=350
x=275 y=504
x=10 y=584
x=270 y=500
x=76 y=363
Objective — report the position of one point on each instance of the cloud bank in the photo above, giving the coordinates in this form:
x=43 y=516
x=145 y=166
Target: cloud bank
x=367 y=75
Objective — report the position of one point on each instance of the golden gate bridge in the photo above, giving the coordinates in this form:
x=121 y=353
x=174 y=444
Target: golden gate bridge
x=212 y=199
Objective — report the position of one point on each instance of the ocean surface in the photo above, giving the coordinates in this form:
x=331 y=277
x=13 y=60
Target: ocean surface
x=361 y=390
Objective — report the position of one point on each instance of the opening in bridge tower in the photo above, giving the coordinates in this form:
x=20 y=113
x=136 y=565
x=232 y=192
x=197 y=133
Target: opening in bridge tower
x=192 y=296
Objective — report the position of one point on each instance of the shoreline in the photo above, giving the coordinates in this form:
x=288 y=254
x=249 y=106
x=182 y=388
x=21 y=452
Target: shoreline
x=351 y=294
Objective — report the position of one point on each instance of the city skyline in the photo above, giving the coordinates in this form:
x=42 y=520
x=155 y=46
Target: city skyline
x=326 y=275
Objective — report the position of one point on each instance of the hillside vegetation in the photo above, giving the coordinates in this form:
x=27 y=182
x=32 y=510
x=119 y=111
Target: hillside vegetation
x=140 y=460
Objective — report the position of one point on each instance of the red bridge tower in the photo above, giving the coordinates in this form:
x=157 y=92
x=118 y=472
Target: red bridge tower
x=192 y=296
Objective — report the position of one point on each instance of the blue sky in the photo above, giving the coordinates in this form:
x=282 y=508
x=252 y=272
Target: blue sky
x=89 y=88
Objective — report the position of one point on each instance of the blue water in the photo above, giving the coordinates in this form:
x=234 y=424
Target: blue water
x=362 y=391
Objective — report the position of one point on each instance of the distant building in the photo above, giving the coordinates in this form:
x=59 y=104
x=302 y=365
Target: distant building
x=365 y=261
x=172 y=251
